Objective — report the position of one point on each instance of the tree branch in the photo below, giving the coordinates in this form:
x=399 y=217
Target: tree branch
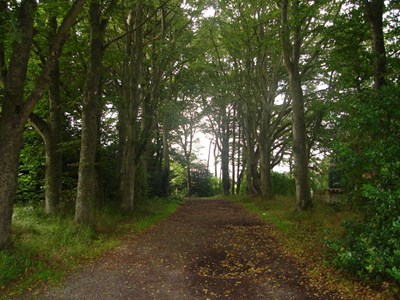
x=43 y=79
x=108 y=44
x=40 y=125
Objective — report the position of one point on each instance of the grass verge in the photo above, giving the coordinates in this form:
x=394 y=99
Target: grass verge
x=46 y=248
x=304 y=235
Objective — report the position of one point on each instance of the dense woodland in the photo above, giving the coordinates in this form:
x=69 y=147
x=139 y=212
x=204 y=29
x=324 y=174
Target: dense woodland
x=100 y=101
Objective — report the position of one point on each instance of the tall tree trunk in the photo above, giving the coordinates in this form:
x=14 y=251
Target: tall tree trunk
x=188 y=147
x=233 y=161
x=100 y=191
x=15 y=111
x=131 y=81
x=50 y=131
x=128 y=179
x=188 y=177
x=225 y=156
x=224 y=135
x=291 y=44
x=3 y=30
x=250 y=153
x=86 y=193
x=165 y=159
x=239 y=173
x=51 y=134
x=265 y=150
x=53 y=175
x=209 y=154
x=299 y=143
x=12 y=119
x=266 y=138
x=11 y=131
x=374 y=11
x=215 y=153
x=265 y=170
x=165 y=185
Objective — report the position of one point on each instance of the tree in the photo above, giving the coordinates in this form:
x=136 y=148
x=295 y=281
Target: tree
x=152 y=38
x=374 y=12
x=86 y=193
x=16 y=107
x=51 y=129
x=221 y=118
x=246 y=57
x=292 y=40
x=365 y=127
x=185 y=132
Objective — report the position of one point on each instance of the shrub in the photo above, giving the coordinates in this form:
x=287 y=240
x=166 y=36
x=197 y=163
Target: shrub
x=283 y=184
x=368 y=153
x=202 y=183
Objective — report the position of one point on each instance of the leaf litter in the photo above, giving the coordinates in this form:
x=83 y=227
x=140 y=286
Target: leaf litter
x=208 y=249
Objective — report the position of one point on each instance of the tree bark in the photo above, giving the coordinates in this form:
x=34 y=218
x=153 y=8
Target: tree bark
x=165 y=158
x=15 y=111
x=265 y=171
x=51 y=135
x=225 y=156
x=50 y=132
x=291 y=44
x=3 y=30
x=10 y=145
x=233 y=152
x=374 y=11
x=303 y=197
x=86 y=192
x=266 y=138
x=239 y=167
x=131 y=81
x=12 y=120
x=53 y=176
x=250 y=152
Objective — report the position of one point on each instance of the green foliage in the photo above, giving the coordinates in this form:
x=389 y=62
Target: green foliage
x=178 y=179
x=283 y=184
x=31 y=169
x=203 y=184
x=368 y=153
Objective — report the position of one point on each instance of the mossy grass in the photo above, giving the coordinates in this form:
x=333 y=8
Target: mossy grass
x=47 y=247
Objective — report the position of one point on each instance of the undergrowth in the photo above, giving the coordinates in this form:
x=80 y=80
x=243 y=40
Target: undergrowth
x=305 y=235
x=47 y=247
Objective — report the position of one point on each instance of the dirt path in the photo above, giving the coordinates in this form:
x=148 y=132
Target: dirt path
x=208 y=249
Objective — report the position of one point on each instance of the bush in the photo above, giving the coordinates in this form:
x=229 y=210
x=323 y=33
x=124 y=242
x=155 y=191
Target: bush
x=283 y=184
x=371 y=247
x=368 y=153
x=31 y=169
x=202 y=183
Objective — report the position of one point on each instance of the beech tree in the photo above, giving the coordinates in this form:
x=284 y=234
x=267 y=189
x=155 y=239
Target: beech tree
x=185 y=132
x=374 y=12
x=364 y=126
x=16 y=105
x=86 y=192
x=245 y=40
x=302 y=38
x=291 y=44
x=50 y=128
x=151 y=41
